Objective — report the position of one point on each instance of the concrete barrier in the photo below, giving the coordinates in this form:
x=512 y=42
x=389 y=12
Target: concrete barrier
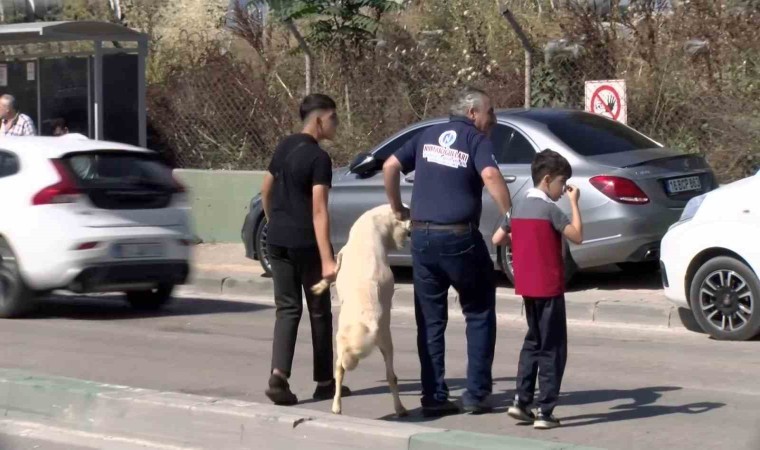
x=220 y=201
x=181 y=421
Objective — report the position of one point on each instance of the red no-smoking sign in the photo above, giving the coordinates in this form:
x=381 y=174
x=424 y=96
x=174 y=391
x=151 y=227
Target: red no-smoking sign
x=607 y=98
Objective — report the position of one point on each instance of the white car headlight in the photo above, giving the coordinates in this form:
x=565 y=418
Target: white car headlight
x=692 y=207
x=689 y=211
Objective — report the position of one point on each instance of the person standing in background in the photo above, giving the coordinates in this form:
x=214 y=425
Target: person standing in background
x=14 y=123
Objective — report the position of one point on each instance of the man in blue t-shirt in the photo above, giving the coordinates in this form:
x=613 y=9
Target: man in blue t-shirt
x=452 y=163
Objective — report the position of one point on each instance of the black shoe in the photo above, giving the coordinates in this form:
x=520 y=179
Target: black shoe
x=482 y=407
x=446 y=408
x=279 y=391
x=521 y=413
x=327 y=392
x=545 y=422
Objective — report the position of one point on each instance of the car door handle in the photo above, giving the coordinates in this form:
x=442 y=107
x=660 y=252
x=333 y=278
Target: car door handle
x=510 y=178
x=409 y=179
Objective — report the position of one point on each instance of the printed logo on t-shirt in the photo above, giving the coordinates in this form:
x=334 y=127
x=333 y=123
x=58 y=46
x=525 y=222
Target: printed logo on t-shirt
x=447 y=138
x=449 y=157
x=443 y=154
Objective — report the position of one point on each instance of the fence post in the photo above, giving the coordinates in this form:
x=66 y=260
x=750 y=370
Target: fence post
x=308 y=59
x=528 y=70
x=528 y=51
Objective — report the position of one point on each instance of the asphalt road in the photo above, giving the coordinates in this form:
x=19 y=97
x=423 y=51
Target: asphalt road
x=624 y=388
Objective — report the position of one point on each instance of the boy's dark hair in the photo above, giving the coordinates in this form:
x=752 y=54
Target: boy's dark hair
x=549 y=162
x=316 y=102
x=58 y=122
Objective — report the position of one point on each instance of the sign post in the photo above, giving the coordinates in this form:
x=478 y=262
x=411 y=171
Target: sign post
x=607 y=98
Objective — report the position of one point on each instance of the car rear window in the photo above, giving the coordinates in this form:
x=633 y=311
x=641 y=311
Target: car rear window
x=593 y=135
x=104 y=169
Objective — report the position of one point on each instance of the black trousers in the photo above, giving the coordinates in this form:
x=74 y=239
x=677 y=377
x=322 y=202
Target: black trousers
x=544 y=352
x=295 y=271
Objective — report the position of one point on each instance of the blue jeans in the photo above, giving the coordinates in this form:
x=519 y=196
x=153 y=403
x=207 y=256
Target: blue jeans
x=441 y=259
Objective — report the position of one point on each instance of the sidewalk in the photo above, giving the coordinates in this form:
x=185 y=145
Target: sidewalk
x=599 y=298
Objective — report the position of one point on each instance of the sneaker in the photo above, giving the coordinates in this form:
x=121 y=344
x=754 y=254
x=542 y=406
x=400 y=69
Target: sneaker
x=545 y=422
x=446 y=408
x=279 y=391
x=327 y=392
x=520 y=413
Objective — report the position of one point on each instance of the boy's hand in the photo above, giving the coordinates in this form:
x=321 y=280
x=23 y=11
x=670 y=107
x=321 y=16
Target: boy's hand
x=573 y=193
x=329 y=270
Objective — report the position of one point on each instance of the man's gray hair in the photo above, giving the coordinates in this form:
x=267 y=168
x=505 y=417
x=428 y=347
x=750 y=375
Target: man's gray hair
x=11 y=100
x=469 y=98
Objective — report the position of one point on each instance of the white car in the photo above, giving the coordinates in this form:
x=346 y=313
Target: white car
x=711 y=260
x=89 y=216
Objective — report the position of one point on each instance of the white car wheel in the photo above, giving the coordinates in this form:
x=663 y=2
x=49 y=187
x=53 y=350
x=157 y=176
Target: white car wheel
x=15 y=297
x=724 y=299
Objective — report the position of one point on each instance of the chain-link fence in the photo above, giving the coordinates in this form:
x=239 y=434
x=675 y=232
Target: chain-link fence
x=691 y=81
x=691 y=77
x=214 y=116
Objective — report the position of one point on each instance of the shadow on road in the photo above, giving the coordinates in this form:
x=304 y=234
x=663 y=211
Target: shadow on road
x=412 y=388
x=606 y=278
x=638 y=397
x=628 y=412
x=639 y=404
x=114 y=307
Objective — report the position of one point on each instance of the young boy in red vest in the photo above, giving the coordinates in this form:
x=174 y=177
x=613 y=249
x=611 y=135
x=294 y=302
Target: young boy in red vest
x=537 y=227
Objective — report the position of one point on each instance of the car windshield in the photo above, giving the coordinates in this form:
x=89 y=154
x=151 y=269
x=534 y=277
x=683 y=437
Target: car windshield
x=111 y=169
x=593 y=135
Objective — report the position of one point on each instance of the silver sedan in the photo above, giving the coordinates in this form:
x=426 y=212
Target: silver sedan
x=633 y=188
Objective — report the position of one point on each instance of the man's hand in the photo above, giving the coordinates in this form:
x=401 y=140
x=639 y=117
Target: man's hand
x=403 y=214
x=392 y=177
x=329 y=270
x=573 y=193
x=494 y=182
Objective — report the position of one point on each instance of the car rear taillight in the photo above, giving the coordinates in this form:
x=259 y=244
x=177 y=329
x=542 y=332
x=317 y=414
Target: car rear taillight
x=64 y=191
x=622 y=190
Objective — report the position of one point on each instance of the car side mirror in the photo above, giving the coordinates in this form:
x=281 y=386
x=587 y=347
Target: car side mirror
x=363 y=164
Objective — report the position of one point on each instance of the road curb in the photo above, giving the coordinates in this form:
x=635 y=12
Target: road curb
x=216 y=423
x=602 y=312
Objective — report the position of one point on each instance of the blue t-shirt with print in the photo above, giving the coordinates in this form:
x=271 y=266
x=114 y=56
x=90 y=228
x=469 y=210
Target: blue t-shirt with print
x=447 y=160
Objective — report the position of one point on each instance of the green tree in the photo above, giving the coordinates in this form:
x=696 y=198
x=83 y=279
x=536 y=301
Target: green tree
x=336 y=22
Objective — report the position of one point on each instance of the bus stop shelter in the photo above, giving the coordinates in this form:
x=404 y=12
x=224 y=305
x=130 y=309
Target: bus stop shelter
x=100 y=91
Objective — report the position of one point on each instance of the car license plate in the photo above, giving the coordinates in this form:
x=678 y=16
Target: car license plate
x=141 y=250
x=684 y=184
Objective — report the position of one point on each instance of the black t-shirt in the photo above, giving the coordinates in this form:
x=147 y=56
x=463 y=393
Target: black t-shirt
x=298 y=164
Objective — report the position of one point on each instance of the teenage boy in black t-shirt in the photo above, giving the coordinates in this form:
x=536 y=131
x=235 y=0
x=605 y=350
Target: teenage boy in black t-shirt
x=294 y=195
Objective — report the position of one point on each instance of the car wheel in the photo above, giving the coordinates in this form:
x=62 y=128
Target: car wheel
x=724 y=299
x=261 y=246
x=15 y=296
x=152 y=299
x=505 y=261
x=640 y=268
